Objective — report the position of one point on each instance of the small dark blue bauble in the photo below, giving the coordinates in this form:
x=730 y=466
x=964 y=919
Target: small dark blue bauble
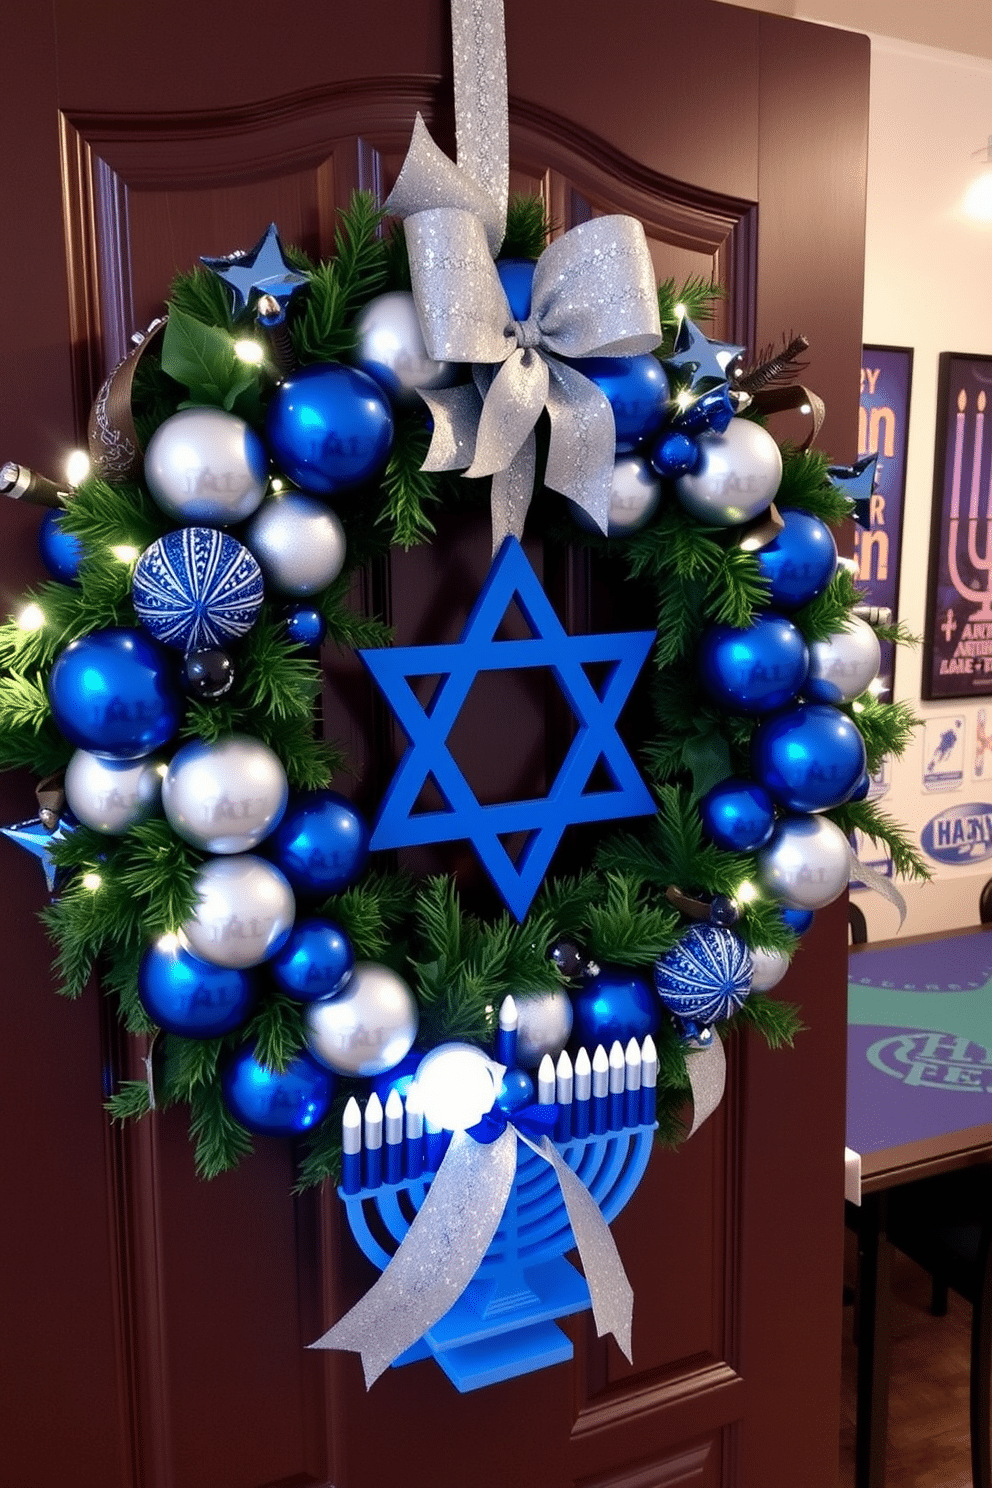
x=703 y=978
x=637 y=389
x=516 y=1091
x=615 y=1004
x=306 y=627
x=208 y=675
x=275 y=1104
x=61 y=551
x=329 y=427
x=713 y=412
x=755 y=670
x=321 y=844
x=113 y=692
x=197 y=589
x=860 y=791
x=400 y=1077
x=738 y=815
x=674 y=455
x=569 y=959
x=193 y=998
x=316 y=960
x=724 y=912
x=809 y=758
x=517 y=278
x=800 y=562
x=798 y=920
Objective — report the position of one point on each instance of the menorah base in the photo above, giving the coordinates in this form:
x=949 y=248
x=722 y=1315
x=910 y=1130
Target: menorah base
x=490 y=1335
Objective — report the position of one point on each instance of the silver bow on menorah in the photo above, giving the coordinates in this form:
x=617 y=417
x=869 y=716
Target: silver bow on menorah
x=593 y=295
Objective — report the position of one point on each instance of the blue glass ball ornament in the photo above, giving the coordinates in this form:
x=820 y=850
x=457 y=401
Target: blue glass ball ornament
x=321 y=843
x=274 y=1104
x=637 y=389
x=860 y=791
x=616 y=1003
x=675 y=454
x=329 y=427
x=799 y=562
x=738 y=814
x=61 y=551
x=207 y=675
x=193 y=998
x=723 y=911
x=305 y=627
x=114 y=693
x=197 y=589
x=713 y=411
x=316 y=960
x=755 y=670
x=704 y=978
x=517 y=278
x=516 y=1090
x=798 y=920
x=399 y=1077
x=809 y=758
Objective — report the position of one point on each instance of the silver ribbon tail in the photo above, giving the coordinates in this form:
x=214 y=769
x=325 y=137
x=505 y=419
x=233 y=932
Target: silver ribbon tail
x=707 y=1071
x=879 y=883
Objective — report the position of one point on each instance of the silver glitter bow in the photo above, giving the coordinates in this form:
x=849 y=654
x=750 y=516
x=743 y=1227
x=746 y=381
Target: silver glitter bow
x=707 y=1071
x=449 y=1236
x=594 y=295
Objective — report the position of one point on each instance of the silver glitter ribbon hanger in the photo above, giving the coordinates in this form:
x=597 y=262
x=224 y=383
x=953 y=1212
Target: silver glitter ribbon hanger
x=594 y=295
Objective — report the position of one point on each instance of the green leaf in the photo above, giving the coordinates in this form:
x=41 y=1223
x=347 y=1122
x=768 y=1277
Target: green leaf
x=202 y=358
x=707 y=757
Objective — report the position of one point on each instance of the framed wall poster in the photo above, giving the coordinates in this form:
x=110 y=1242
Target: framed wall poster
x=957 y=650
x=883 y=429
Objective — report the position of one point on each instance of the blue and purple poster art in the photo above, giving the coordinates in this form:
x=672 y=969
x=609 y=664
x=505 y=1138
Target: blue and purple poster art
x=883 y=427
x=957 y=654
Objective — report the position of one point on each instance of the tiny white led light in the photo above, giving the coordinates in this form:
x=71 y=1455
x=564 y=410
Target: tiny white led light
x=32 y=617
x=746 y=893
x=250 y=352
x=125 y=553
x=167 y=942
x=92 y=881
x=77 y=467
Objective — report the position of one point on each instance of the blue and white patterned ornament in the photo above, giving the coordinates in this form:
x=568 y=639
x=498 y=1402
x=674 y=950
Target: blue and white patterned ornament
x=705 y=977
x=197 y=589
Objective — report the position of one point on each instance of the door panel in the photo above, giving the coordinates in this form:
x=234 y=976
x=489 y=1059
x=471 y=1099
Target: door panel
x=162 y=1319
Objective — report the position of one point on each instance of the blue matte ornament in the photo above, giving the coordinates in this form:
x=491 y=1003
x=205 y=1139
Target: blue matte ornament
x=329 y=427
x=316 y=960
x=616 y=1003
x=275 y=1104
x=637 y=389
x=399 y=1078
x=809 y=758
x=190 y=997
x=61 y=551
x=428 y=727
x=799 y=562
x=321 y=844
x=114 y=693
x=197 y=589
x=516 y=1091
x=738 y=815
x=517 y=278
x=755 y=670
x=675 y=454
x=703 y=978
x=305 y=627
x=798 y=920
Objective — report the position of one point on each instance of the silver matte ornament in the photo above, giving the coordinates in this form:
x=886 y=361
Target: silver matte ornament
x=225 y=797
x=844 y=665
x=391 y=349
x=112 y=795
x=366 y=1029
x=544 y=1025
x=634 y=497
x=807 y=863
x=299 y=543
x=736 y=478
x=205 y=465
x=767 y=969
x=244 y=913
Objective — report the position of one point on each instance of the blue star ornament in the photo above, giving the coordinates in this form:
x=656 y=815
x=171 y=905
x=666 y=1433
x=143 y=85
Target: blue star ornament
x=856 y=482
x=704 y=363
x=427 y=728
x=37 y=839
x=262 y=270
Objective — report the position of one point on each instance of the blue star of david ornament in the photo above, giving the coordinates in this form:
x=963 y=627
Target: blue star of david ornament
x=427 y=728
x=37 y=839
x=856 y=482
x=697 y=359
x=262 y=270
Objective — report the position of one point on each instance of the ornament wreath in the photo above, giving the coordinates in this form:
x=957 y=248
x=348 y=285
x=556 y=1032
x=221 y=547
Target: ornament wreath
x=123 y=890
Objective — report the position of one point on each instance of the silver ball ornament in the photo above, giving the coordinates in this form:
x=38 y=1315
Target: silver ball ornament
x=807 y=863
x=205 y=465
x=299 y=543
x=391 y=349
x=767 y=969
x=736 y=478
x=544 y=1025
x=368 y=1027
x=112 y=795
x=634 y=497
x=244 y=913
x=843 y=665
x=225 y=797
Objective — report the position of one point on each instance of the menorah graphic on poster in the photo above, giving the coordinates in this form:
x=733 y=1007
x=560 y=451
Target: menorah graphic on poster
x=978 y=542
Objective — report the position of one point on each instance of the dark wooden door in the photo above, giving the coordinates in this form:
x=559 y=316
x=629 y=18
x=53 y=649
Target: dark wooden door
x=152 y=1326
